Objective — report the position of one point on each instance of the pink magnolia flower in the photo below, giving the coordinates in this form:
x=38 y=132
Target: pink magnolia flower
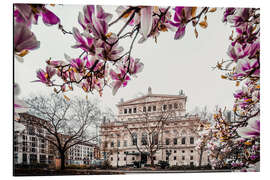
x=135 y=66
x=228 y=12
x=241 y=15
x=85 y=43
x=45 y=76
x=24 y=40
x=95 y=20
x=245 y=66
x=78 y=64
x=120 y=79
x=109 y=50
x=238 y=51
x=181 y=16
x=29 y=13
x=251 y=130
x=144 y=16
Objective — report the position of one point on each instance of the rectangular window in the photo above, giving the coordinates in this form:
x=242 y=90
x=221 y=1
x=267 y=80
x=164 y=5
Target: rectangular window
x=154 y=108
x=111 y=158
x=125 y=111
x=33 y=158
x=191 y=140
x=167 y=141
x=183 y=157
x=174 y=158
x=170 y=106
x=42 y=159
x=134 y=110
x=24 y=158
x=125 y=158
x=183 y=140
x=144 y=109
x=154 y=158
x=125 y=143
x=130 y=111
x=31 y=131
x=191 y=157
x=175 y=106
x=133 y=158
x=149 y=108
x=118 y=143
x=175 y=141
x=112 y=144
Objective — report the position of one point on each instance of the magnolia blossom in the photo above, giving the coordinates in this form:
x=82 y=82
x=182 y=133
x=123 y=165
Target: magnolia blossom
x=45 y=76
x=24 y=40
x=135 y=66
x=29 y=13
x=108 y=50
x=85 y=43
x=240 y=15
x=251 y=130
x=120 y=79
x=246 y=66
x=181 y=16
x=95 y=20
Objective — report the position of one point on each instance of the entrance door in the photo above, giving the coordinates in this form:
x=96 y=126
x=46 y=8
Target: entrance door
x=143 y=158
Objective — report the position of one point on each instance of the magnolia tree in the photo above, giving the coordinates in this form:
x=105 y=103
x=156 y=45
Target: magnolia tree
x=103 y=61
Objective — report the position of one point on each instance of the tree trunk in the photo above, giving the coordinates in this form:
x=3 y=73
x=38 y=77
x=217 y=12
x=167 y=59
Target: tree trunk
x=62 y=156
x=200 y=160
x=152 y=159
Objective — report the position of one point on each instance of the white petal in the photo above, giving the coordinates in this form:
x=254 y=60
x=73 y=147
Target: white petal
x=146 y=20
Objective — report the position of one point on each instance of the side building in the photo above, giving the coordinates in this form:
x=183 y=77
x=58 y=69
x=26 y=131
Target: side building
x=150 y=129
x=31 y=148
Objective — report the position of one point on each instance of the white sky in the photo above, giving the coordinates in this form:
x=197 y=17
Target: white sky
x=170 y=65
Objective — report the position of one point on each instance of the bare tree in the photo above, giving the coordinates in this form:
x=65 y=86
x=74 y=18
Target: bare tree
x=152 y=130
x=66 y=122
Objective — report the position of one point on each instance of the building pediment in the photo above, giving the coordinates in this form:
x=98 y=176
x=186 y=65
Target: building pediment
x=152 y=98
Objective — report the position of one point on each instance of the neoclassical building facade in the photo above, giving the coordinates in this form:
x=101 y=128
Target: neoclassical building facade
x=152 y=128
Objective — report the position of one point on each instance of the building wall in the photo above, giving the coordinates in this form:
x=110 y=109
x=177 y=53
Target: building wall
x=135 y=116
x=30 y=149
x=81 y=154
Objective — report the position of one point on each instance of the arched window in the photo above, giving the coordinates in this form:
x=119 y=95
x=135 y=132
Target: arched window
x=144 y=138
x=134 y=139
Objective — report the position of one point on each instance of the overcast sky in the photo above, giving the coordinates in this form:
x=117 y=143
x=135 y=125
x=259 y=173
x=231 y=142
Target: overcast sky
x=170 y=65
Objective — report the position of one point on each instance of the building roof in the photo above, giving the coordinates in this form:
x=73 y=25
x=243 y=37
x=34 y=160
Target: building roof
x=158 y=97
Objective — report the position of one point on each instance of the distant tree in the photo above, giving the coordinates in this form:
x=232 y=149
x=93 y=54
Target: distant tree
x=67 y=121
